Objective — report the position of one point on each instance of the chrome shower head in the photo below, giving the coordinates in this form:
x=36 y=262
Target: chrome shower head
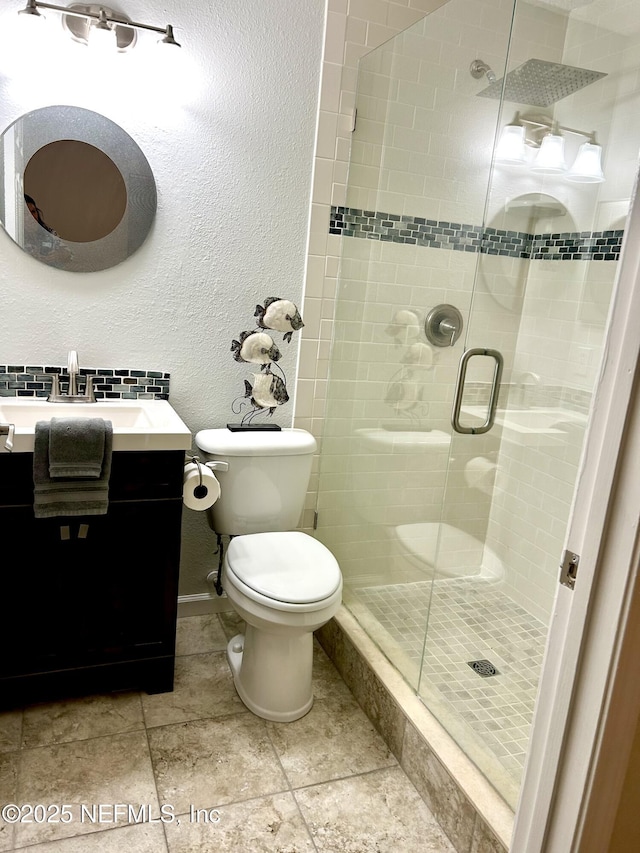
x=540 y=83
x=478 y=68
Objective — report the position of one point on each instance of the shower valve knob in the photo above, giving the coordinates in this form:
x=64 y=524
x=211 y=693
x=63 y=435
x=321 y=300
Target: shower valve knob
x=443 y=325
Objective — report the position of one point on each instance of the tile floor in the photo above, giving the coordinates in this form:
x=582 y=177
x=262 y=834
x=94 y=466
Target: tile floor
x=223 y=779
x=468 y=621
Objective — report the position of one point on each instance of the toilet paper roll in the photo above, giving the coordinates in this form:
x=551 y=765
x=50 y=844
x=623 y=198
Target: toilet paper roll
x=480 y=473
x=201 y=488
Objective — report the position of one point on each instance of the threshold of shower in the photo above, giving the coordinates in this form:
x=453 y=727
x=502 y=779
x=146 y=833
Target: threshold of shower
x=466 y=805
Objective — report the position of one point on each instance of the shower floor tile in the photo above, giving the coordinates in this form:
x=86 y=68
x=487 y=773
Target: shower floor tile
x=469 y=621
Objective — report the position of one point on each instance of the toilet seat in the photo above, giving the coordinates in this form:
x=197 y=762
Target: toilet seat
x=288 y=570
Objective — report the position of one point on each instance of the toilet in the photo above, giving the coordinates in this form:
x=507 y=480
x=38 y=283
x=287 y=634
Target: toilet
x=282 y=582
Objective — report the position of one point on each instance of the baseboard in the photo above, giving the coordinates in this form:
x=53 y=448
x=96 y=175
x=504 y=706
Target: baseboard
x=202 y=605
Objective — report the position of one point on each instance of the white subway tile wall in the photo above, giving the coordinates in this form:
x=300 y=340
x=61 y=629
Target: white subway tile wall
x=423 y=149
x=408 y=212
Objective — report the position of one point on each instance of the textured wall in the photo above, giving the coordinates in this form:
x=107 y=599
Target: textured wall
x=228 y=126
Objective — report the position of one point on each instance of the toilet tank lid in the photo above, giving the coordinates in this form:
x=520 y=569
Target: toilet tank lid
x=286 y=442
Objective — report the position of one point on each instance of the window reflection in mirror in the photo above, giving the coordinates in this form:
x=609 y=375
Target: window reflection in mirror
x=74 y=190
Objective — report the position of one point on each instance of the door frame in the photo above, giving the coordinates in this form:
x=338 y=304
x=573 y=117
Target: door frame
x=589 y=695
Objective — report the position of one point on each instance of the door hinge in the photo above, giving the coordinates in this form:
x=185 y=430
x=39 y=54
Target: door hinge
x=569 y=569
x=355 y=120
x=315 y=520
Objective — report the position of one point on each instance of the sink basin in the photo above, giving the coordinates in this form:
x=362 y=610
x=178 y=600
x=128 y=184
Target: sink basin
x=530 y=426
x=137 y=424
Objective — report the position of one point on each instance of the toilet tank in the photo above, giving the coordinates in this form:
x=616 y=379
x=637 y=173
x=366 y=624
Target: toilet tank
x=265 y=486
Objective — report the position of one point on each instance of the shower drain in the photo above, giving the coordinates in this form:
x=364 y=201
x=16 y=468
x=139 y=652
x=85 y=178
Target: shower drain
x=483 y=667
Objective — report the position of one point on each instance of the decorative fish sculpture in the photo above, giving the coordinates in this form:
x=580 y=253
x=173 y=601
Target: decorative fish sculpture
x=280 y=315
x=267 y=392
x=404 y=327
x=418 y=355
x=255 y=348
x=402 y=395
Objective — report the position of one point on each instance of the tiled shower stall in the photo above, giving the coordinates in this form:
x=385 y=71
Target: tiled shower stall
x=450 y=543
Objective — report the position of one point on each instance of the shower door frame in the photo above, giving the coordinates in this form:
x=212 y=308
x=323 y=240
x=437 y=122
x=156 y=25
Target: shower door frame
x=571 y=788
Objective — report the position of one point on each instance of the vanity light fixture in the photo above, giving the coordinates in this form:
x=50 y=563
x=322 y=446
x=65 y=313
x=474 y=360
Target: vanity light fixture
x=528 y=133
x=96 y=24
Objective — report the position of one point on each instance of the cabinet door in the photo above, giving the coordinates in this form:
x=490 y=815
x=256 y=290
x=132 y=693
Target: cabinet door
x=90 y=590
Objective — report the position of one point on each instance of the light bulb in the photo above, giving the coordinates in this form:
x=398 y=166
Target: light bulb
x=510 y=149
x=31 y=20
x=587 y=168
x=550 y=157
x=102 y=39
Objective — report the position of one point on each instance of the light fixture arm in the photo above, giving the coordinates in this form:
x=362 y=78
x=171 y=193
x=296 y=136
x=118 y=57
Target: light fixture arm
x=590 y=136
x=103 y=15
x=547 y=125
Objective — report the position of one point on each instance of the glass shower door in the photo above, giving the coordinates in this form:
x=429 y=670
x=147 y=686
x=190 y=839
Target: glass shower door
x=413 y=228
x=449 y=530
x=419 y=177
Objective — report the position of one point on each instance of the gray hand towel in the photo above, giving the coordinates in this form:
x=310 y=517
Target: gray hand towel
x=76 y=496
x=76 y=447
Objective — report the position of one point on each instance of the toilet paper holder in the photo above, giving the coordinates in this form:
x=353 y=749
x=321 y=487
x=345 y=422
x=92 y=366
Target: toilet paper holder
x=200 y=485
x=215 y=465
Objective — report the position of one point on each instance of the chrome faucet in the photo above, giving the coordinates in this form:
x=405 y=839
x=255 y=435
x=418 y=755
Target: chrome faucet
x=9 y=431
x=73 y=370
x=72 y=395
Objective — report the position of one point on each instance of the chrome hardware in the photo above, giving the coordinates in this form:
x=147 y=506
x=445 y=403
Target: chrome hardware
x=569 y=569
x=9 y=431
x=73 y=370
x=196 y=461
x=479 y=68
x=72 y=395
x=443 y=325
x=495 y=390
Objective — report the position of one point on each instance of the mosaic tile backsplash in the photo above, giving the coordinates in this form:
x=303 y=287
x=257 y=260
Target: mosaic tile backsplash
x=456 y=236
x=25 y=380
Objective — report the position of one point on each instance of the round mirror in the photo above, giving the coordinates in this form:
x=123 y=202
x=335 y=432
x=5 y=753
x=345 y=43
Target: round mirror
x=78 y=192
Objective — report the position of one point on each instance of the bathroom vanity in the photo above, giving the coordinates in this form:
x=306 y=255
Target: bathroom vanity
x=90 y=602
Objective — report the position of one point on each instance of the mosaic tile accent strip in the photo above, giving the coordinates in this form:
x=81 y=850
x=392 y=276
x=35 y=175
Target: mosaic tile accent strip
x=460 y=237
x=26 y=380
x=470 y=620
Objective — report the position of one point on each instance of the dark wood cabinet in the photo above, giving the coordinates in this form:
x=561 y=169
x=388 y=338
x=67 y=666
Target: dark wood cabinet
x=89 y=602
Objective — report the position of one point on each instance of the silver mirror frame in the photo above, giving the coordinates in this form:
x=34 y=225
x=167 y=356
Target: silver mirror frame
x=38 y=128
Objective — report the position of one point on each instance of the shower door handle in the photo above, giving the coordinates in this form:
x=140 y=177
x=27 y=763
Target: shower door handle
x=495 y=390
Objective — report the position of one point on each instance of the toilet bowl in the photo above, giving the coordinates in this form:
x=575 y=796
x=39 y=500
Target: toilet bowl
x=282 y=607
x=282 y=582
x=444 y=552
